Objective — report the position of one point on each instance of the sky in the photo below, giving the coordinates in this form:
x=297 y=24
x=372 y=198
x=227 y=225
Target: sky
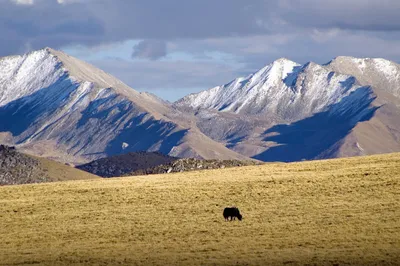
x=176 y=47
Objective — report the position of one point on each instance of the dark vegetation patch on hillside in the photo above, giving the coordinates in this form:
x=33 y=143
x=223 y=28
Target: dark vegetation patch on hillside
x=17 y=168
x=191 y=164
x=121 y=165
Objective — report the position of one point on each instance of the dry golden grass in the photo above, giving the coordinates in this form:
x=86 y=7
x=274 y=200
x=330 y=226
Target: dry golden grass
x=57 y=171
x=326 y=212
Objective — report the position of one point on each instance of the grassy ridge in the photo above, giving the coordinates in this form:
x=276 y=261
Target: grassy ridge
x=326 y=212
x=59 y=172
x=19 y=168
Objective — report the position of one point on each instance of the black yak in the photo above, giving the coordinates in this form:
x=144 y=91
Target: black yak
x=232 y=212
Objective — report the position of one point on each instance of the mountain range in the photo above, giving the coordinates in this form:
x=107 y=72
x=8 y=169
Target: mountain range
x=56 y=106
x=290 y=112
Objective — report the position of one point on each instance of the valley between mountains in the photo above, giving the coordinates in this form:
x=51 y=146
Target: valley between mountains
x=57 y=106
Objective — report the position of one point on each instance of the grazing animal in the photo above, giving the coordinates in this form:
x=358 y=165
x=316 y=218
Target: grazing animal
x=232 y=212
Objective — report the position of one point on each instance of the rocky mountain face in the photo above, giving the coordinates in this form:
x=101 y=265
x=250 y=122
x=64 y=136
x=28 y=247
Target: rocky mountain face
x=288 y=112
x=56 y=106
x=121 y=165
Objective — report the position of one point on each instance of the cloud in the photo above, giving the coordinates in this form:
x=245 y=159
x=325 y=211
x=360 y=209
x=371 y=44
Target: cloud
x=150 y=49
x=23 y=2
x=170 y=74
x=59 y=23
x=96 y=22
x=351 y=15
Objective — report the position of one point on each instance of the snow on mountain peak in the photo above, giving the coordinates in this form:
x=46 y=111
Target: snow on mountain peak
x=26 y=74
x=242 y=92
x=283 y=89
x=381 y=64
x=377 y=72
x=52 y=104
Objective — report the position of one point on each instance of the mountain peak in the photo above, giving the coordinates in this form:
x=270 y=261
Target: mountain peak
x=274 y=72
x=284 y=60
x=55 y=105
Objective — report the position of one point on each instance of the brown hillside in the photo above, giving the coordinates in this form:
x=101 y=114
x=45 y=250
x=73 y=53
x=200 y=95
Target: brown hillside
x=18 y=168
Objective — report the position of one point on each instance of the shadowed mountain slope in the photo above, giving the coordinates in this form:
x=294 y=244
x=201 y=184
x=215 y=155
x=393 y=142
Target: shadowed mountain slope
x=57 y=106
x=288 y=112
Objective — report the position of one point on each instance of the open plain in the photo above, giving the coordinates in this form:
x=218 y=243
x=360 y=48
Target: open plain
x=333 y=212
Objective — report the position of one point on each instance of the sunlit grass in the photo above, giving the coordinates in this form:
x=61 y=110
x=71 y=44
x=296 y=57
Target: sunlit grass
x=343 y=211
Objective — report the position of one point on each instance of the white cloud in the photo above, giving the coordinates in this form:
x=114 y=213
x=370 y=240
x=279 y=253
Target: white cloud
x=64 y=2
x=23 y=2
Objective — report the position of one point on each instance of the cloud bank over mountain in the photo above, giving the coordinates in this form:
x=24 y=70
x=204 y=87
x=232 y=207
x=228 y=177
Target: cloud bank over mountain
x=239 y=35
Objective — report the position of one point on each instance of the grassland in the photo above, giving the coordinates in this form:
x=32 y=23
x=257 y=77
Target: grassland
x=56 y=171
x=343 y=211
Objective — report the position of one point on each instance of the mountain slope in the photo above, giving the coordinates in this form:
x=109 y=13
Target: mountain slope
x=376 y=72
x=73 y=112
x=288 y=112
x=381 y=133
x=18 y=168
x=283 y=91
x=56 y=106
x=251 y=95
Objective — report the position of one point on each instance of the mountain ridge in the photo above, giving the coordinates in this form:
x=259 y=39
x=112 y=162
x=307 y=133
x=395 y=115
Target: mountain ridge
x=74 y=112
x=307 y=95
x=71 y=111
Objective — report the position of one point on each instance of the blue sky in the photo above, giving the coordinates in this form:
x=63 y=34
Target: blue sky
x=176 y=47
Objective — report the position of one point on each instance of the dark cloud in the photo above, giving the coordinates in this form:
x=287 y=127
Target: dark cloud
x=365 y=15
x=47 y=23
x=106 y=21
x=150 y=49
x=95 y=22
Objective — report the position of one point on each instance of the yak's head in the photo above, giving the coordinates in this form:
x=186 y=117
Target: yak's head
x=239 y=217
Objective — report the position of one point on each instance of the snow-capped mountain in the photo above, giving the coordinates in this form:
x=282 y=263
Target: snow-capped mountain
x=253 y=94
x=377 y=72
x=288 y=112
x=54 y=105
x=57 y=106
x=283 y=89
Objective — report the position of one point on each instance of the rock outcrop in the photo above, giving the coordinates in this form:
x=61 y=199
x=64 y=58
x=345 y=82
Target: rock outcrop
x=18 y=168
x=121 y=165
x=190 y=164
